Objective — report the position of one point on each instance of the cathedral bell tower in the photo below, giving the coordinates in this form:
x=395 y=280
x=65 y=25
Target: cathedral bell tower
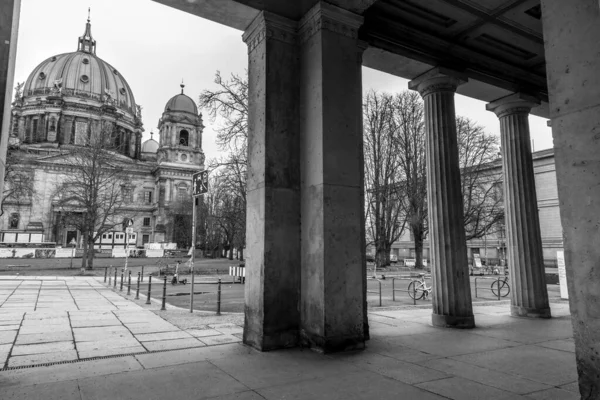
x=180 y=133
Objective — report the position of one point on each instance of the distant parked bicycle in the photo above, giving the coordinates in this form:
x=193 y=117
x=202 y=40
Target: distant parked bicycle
x=502 y=286
x=418 y=288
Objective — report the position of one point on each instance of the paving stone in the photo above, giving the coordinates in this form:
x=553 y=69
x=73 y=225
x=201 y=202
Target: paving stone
x=228 y=329
x=203 y=332
x=92 y=323
x=222 y=339
x=176 y=357
x=147 y=337
x=52 y=347
x=173 y=344
x=554 y=394
x=68 y=390
x=7 y=336
x=65 y=372
x=111 y=351
x=499 y=380
x=549 y=366
x=40 y=328
x=9 y=327
x=32 y=338
x=107 y=344
x=463 y=389
x=151 y=328
x=32 y=359
x=560 y=344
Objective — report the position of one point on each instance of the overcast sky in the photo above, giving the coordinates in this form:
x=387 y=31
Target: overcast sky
x=154 y=47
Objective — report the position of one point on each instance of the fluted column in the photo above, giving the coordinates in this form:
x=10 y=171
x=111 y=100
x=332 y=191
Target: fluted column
x=529 y=295
x=451 y=287
x=273 y=210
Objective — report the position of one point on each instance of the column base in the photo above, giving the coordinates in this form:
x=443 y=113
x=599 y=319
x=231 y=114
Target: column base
x=274 y=341
x=331 y=344
x=449 y=321
x=518 y=311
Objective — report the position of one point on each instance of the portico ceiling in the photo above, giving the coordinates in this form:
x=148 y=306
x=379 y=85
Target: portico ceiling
x=497 y=43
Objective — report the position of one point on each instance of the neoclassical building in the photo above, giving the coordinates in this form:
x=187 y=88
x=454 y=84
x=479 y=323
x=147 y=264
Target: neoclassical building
x=66 y=99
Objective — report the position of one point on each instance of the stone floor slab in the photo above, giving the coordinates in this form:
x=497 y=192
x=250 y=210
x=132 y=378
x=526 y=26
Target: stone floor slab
x=176 y=357
x=221 y=339
x=52 y=347
x=68 y=390
x=33 y=359
x=173 y=383
x=172 y=344
x=111 y=351
x=554 y=394
x=148 y=337
x=463 y=389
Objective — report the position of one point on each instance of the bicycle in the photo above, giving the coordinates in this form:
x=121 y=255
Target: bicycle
x=500 y=286
x=418 y=288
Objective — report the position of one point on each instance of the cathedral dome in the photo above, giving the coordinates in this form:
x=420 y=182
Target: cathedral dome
x=81 y=74
x=181 y=102
x=150 y=146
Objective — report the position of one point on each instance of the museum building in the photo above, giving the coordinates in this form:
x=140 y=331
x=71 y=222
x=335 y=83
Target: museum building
x=66 y=99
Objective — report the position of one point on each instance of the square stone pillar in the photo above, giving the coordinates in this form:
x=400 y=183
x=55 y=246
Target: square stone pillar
x=571 y=32
x=529 y=294
x=273 y=197
x=451 y=289
x=333 y=305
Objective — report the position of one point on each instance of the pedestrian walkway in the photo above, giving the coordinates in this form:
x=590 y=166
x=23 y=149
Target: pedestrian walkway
x=54 y=320
x=406 y=358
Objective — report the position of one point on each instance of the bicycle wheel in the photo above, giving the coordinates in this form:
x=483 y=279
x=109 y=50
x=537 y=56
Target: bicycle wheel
x=416 y=290
x=504 y=288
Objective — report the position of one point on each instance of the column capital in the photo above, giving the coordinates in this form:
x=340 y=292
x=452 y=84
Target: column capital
x=324 y=16
x=272 y=26
x=516 y=103
x=438 y=79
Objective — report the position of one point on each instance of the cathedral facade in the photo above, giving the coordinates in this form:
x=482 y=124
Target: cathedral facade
x=66 y=99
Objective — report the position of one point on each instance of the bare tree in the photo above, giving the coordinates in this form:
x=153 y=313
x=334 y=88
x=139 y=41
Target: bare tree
x=483 y=207
x=95 y=190
x=408 y=115
x=229 y=105
x=384 y=191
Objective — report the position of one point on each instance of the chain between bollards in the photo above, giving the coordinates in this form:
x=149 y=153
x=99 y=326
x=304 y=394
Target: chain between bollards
x=219 y=297
x=129 y=284
x=164 y=298
x=121 y=287
x=149 y=289
x=137 y=290
x=105 y=273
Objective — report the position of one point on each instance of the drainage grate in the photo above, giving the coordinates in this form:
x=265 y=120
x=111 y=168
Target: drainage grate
x=104 y=357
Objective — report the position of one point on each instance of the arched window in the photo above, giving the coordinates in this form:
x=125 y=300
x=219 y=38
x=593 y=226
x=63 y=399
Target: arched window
x=182 y=192
x=14 y=220
x=184 y=138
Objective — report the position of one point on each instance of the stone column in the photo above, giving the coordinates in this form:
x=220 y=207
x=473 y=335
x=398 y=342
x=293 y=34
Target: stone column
x=333 y=313
x=529 y=295
x=451 y=287
x=571 y=32
x=273 y=198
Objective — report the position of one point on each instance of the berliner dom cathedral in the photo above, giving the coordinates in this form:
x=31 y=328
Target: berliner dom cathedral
x=69 y=97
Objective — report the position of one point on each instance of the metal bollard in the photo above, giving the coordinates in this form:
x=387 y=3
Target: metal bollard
x=164 y=298
x=105 y=273
x=379 y=292
x=121 y=287
x=129 y=284
x=192 y=291
x=137 y=290
x=142 y=273
x=109 y=279
x=149 y=289
x=498 y=288
x=414 y=293
x=219 y=298
x=115 y=287
x=393 y=290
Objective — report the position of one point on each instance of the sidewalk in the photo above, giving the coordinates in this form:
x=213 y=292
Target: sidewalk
x=503 y=358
